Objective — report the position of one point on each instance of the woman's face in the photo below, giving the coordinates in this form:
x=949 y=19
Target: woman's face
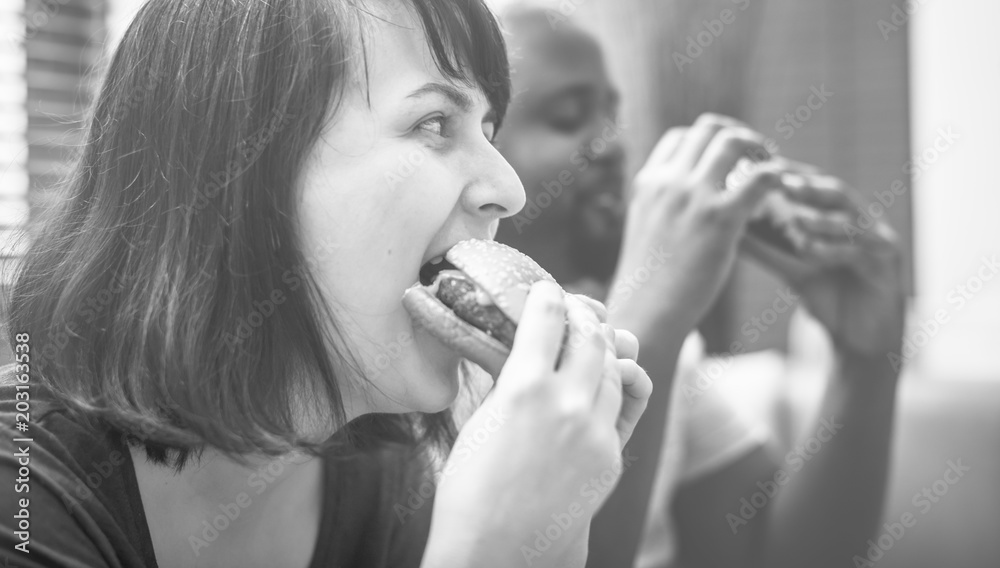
x=405 y=170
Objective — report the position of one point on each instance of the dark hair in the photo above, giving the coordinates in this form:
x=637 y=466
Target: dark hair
x=179 y=215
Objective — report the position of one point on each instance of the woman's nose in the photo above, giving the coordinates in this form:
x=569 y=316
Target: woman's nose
x=494 y=190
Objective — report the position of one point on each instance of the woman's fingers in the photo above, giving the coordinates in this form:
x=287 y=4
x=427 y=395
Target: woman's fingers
x=636 y=384
x=539 y=335
x=609 y=396
x=626 y=344
x=586 y=346
x=637 y=387
x=599 y=308
x=623 y=396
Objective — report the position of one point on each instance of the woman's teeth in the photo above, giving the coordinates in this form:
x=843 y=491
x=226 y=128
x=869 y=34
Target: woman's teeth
x=430 y=270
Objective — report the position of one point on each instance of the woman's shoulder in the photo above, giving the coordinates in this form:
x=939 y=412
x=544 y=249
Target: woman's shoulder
x=68 y=483
x=376 y=503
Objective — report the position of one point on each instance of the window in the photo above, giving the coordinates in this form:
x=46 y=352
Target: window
x=13 y=136
x=955 y=69
x=48 y=53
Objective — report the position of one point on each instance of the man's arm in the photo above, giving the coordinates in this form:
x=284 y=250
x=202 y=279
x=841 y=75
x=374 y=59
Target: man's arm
x=827 y=511
x=832 y=487
x=618 y=527
x=679 y=246
x=822 y=500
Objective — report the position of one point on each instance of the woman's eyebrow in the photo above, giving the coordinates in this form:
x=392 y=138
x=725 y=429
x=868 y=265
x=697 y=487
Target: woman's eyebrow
x=450 y=92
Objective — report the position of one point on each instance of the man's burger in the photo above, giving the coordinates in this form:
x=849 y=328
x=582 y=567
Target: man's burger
x=472 y=299
x=773 y=232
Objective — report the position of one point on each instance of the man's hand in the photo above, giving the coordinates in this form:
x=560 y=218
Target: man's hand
x=683 y=230
x=681 y=239
x=853 y=282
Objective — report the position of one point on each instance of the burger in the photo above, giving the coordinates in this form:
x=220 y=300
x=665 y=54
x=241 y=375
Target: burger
x=773 y=232
x=473 y=297
x=774 y=224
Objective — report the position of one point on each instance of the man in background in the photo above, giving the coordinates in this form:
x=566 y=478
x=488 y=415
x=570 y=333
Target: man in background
x=696 y=459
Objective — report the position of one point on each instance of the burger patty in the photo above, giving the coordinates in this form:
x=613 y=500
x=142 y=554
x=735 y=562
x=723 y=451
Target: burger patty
x=460 y=295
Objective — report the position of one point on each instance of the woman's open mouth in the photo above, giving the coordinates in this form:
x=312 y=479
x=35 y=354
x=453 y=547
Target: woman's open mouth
x=472 y=299
x=470 y=302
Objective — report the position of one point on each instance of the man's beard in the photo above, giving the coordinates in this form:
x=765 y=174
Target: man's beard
x=596 y=238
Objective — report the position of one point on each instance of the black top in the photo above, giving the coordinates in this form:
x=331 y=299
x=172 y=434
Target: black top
x=85 y=509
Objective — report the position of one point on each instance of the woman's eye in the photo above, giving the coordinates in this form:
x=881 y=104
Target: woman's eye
x=433 y=125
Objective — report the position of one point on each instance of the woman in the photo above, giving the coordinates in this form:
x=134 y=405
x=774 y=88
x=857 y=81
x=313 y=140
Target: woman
x=220 y=371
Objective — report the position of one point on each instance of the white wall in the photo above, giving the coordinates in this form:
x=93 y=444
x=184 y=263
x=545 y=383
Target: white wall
x=120 y=14
x=955 y=65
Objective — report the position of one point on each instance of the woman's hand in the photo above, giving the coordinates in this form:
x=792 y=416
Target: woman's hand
x=682 y=230
x=851 y=279
x=636 y=388
x=539 y=457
